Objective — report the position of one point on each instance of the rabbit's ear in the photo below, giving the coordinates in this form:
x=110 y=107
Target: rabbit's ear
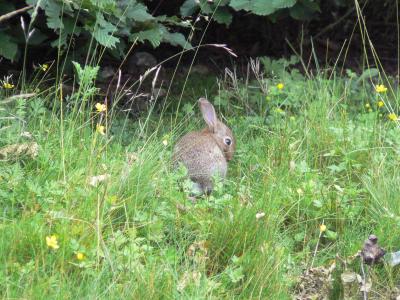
x=208 y=112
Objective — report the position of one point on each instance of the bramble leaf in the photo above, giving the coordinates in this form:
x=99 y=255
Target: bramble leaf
x=8 y=48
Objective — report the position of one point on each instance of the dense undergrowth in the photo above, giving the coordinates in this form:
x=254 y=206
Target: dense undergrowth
x=91 y=209
x=74 y=26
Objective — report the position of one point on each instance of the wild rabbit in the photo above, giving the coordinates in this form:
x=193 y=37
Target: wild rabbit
x=205 y=153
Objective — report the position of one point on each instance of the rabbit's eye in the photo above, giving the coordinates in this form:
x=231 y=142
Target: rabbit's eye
x=227 y=141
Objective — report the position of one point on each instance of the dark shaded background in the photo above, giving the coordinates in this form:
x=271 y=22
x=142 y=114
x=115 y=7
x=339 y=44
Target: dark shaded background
x=250 y=36
x=331 y=29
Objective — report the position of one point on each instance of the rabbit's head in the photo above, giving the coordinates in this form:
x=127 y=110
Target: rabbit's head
x=221 y=134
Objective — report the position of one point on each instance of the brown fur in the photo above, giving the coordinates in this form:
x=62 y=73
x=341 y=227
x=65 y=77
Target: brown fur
x=204 y=153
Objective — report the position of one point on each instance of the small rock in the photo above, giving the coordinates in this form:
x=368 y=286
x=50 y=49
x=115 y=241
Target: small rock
x=142 y=60
x=201 y=69
x=107 y=72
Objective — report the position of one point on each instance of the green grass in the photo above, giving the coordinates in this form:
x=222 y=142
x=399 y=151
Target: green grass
x=322 y=157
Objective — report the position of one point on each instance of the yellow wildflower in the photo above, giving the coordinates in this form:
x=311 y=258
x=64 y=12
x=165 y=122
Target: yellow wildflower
x=113 y=199
x=80 y=256
x=100 y=107
x=300 y=192
x=8 y=85
x=44 y=67
x=380 y=88
x=381 y=103
x=101 y=129
x=52 y=242
x=322 y=228
x=392 y=117
x=367 y=105
x=280 y=86
x=165 y=142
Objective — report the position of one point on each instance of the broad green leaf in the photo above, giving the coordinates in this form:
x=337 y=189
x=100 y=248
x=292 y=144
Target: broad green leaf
x=222 y=3
x=206 y=7
x=176 y=39
x=120 y=50
x=69 y=28
x=101 y=21
x=283 y=3
x=138 y=12
x=53 y=13
x=154 y=36
x=133 y=10
x=261 y=7
x=189 y=7
x=300 y=11
x=240 y=4
x=223 y=16
x=104 y=37
x=8 y=48
x=60 y=41
x=104 y=4
x=42 y=3
x=103 y=32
